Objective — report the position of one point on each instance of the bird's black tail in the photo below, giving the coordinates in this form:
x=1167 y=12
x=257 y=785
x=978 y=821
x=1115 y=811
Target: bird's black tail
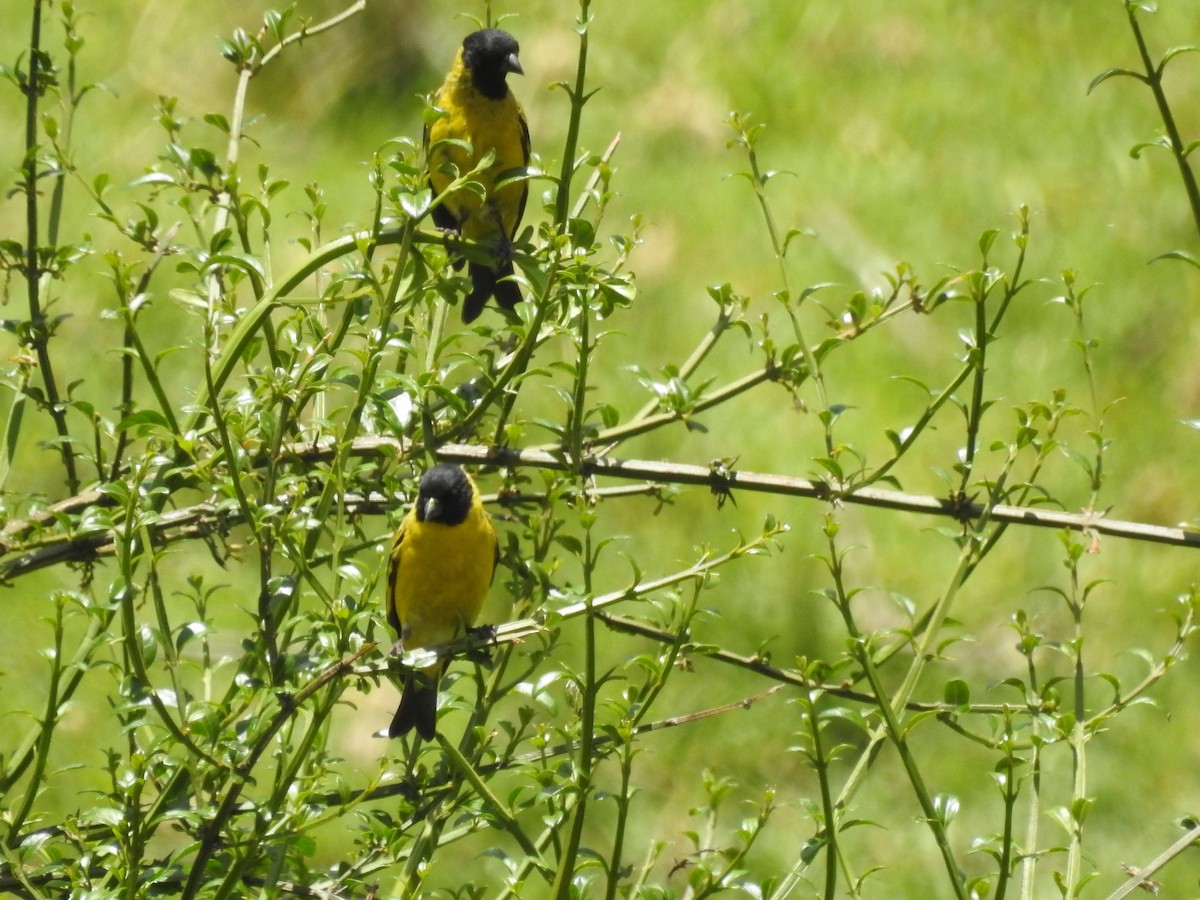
x=485 y=283
x=417 y=709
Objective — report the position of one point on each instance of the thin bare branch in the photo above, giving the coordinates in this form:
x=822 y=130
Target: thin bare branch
x=25 y=553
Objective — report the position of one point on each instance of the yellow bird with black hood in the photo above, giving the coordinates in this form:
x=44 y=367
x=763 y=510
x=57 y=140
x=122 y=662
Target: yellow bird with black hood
x=480 y=116
x=439 y=571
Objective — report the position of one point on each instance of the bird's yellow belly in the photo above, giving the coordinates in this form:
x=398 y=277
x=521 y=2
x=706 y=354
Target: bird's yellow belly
x=440 y=597
x=487 y=127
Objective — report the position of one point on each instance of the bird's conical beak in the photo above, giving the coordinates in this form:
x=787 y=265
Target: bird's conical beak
x=432 y=510
x=512 y=64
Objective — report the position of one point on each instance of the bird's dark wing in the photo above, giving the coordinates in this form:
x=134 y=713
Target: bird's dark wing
x=495 y=557
x=442 y=217
x=392 y=571
x=526 y=150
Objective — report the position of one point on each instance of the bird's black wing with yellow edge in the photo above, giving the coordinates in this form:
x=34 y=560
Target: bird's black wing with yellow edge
x=418 y=694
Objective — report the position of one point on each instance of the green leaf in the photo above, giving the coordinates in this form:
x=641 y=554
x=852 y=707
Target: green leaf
x=415 y=205
x=103 y=815
x=812 y=847
x=218 y=121
x=12 y=433
x=1080 y=808
x=945 y=807
x=1136 y=150
x=1176 y=51
x=986 y=240
x=143 y=420
x=957 y=693
x=187 y=632
x=1182 y=255
x=1113 y=73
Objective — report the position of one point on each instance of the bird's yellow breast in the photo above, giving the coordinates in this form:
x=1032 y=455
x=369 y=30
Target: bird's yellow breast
x=442 y=575
x=487 y=126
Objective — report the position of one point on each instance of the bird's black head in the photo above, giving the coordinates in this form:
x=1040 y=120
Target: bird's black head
x=444 y=496
x=489 y=55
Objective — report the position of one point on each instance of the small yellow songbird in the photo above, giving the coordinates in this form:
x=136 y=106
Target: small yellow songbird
x=441 y=566
x=482 y=113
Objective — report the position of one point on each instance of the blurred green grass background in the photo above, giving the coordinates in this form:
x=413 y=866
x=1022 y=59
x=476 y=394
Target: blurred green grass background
x=906 y=130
